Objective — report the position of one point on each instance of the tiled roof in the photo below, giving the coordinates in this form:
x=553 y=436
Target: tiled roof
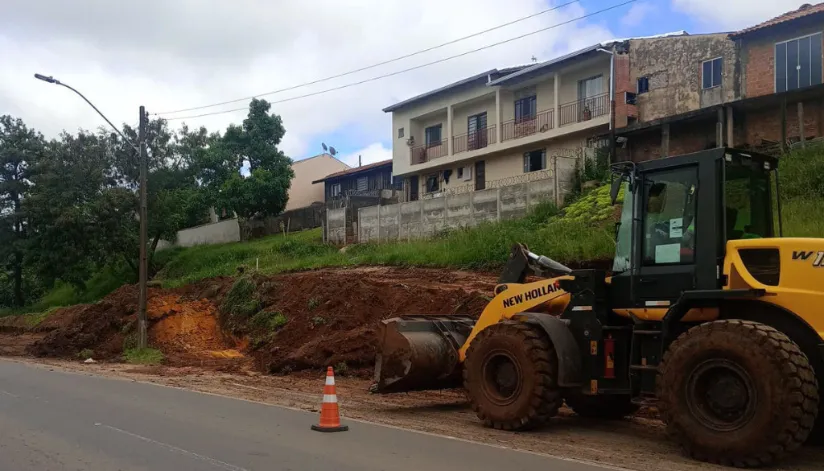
x=355 y=170
x=804 y=10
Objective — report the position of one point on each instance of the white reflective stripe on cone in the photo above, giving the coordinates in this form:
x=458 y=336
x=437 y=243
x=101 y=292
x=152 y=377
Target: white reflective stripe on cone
x=330 y=398
x=330 y=380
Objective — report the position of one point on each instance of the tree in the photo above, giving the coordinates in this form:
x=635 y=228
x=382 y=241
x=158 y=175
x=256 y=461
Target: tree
x=266 y=190
x=19 y=148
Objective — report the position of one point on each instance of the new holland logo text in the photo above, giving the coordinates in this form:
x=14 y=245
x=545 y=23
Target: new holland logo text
x=817 y=257
x=530 y=295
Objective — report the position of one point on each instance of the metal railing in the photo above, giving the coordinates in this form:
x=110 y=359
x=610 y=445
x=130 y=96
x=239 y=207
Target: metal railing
x=584 y=109
x=475 y=140
x=522 y=127
x=423 y=154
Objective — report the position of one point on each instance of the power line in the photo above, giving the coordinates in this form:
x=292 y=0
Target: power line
x=402 y=71
x=389 y=61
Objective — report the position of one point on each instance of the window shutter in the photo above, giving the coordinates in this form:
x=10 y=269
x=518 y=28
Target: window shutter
x=526 y=162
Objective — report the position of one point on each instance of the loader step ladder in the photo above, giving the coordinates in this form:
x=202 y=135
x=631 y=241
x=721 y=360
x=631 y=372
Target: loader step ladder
x=645 y=353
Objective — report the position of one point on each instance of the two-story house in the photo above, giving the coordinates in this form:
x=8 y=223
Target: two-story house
x=502 y=126
x=781 y=71
x=751 y=88
x=305 y=189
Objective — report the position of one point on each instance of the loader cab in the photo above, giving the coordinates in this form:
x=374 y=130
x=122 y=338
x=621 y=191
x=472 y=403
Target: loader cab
x=678 y=214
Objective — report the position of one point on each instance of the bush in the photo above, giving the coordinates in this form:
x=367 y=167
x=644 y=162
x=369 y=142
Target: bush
x=240 y=304
x=143 y=356
x=268 y=320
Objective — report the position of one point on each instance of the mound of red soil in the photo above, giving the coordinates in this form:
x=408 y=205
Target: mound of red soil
x=333 y=315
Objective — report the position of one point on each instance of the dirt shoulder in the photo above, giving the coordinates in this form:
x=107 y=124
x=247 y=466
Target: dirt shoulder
x=638 y=443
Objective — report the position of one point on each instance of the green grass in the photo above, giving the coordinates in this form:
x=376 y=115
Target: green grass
x=143 y=356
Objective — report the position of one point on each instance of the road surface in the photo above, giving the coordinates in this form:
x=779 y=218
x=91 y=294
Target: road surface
x=51 y=420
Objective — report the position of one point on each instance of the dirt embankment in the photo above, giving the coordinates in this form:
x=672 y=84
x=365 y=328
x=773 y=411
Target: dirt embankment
x=329 y=318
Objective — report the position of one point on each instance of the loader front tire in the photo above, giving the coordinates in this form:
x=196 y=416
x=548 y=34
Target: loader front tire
x=737 y=393
x=511 y=376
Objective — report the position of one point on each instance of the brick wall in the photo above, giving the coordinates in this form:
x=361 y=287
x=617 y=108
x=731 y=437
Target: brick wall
x=623 y=84
x=758 y=58
x=765 y=124
x=685 y=138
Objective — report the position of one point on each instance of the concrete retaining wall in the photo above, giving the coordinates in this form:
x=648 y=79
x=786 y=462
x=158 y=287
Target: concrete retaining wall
x=213 y=233
x=425 y=218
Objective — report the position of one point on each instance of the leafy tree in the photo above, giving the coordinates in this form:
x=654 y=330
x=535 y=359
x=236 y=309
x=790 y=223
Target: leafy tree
x=19 y=148
x=265 y=191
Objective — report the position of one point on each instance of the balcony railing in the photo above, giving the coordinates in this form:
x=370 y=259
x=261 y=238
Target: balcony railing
x=527 y=126
x=473 y=141
x=423 y=154
x=584 y=109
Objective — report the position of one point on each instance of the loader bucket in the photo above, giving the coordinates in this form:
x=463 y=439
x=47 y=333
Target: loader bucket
x=420 y=352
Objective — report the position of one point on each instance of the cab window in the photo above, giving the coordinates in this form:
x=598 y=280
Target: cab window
x=669 y=216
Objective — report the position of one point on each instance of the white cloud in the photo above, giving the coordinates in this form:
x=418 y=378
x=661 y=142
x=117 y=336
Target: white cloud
x=732 y=15
x=638 y=13
x=170 y=55
x=368 y=155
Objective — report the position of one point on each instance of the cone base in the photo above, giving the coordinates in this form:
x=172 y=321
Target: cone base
x=339 y=428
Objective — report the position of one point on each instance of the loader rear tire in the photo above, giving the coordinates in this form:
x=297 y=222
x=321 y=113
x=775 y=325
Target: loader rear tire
x=737 y=393
x=610 y=407
x=511 y=376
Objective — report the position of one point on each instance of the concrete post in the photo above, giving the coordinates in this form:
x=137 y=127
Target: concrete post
x=399 y=222
x=449 y=130
x=665 y=140
x=445 y=209
x=499 y=115
x=379 y=221
x=801 y=124
x=471 y=208
x=783 y=125
x=498 y=205
x=555 y=180
x=730 y=128
x=556 y=114
x=719 y=129
x=526 y=190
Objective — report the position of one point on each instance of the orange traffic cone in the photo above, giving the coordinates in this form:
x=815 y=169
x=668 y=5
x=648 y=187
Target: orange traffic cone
x=329 y=414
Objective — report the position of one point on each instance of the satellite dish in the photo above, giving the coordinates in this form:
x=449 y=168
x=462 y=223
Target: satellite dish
x=332 y=150
x=324 y=146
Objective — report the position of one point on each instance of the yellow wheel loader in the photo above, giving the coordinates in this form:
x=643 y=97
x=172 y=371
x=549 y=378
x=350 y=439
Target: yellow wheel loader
x=705 y=308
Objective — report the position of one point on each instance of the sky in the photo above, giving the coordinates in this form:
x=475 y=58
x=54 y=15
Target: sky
x=176 y=54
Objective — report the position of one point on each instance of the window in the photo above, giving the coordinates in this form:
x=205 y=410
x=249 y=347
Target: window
x=432 y=183
x=363 y=183
x=464 y=173
x=460 y=173
x=590 y=92
x=534 y=161
x=335 y=190
x=400 y=133
x=711 y=73
x=669 y=213
x=433 y=135
x=526 y=109
x=643 y=85
x=748 y=201
x=798 y=63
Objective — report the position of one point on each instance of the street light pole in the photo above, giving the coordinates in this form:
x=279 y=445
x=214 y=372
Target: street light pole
x=141 y=150
x=144 y=264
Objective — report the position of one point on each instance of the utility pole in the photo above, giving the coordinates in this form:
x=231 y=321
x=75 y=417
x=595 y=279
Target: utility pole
x=144 y=268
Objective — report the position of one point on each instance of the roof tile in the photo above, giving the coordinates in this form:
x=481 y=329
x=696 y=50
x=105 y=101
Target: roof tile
x=804 y=10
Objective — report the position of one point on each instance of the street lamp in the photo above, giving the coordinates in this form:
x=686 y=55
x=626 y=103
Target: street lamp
x=141 y=150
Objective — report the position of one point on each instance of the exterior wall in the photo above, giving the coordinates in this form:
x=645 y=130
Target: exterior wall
x=294 y=220
x=685 y=138
x=303 y=192
x=568 y=89
x=758 y=55
x=426 y=218
x=208 y=234
x=674 y=68
x=544 y=96
x=462 y=112
x=765 y=124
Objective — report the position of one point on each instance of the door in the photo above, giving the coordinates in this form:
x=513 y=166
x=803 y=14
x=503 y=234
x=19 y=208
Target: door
x=668 y=259
x=476 y=131
x=591 y=99
x=414 y=185
x=480 y=175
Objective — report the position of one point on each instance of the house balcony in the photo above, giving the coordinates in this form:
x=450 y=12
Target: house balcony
x=523 y=127
x=428 y=153
x=584 y=109
x=475 y=140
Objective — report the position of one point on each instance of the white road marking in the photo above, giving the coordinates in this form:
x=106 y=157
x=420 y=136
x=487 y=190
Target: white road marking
x=212 y=461
x=9 y=394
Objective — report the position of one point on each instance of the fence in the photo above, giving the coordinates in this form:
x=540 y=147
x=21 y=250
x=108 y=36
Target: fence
x=425 y=218
x=341 y=221
x=213 y=233
x=308 y=217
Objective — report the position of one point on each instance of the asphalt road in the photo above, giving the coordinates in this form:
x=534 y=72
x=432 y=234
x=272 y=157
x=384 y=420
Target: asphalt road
x=51 y=420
